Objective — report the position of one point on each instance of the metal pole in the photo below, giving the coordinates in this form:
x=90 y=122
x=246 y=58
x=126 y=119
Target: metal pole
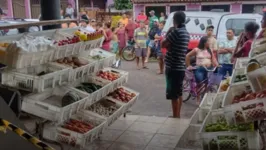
x=77 y=7
x=50 y=10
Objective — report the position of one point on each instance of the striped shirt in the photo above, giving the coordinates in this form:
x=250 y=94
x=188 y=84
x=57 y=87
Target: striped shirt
x=176 y=53
x=140 y=35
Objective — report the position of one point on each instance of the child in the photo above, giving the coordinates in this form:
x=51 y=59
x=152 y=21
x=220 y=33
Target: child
x=157 y=40
x=114 y=41
x=141 y=36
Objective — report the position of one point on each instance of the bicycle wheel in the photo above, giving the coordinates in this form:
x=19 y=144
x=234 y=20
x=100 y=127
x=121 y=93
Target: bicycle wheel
x=128 y=53
x=186 y=91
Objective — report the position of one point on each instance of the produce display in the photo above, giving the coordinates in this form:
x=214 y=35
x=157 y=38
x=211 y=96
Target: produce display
x=108 y=75
x=253 y=65
x=5 y=45
x=69 y=98
x=89 y=87
x=74 y=62
x=240 y=78
x=227 y=143
x=88 y=36
x=246 y=96
x=97 y=57
x=104 y=108
x=122 y=95
x=222 y=125
x=68 y=40
x=78 y=126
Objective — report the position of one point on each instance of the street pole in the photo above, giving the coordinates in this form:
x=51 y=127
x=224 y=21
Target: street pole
x=50 y=10
x=77 y=8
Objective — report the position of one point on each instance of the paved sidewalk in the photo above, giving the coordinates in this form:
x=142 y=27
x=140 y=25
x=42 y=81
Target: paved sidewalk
x=140 y=133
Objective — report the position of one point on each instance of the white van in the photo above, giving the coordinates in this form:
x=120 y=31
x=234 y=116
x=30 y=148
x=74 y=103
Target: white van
x=196 y=23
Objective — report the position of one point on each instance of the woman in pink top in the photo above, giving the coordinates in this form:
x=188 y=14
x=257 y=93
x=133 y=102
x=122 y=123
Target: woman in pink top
x=107 y=32
x=121 y=35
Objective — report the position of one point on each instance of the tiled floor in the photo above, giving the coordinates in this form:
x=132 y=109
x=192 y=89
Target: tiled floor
x=140 y=133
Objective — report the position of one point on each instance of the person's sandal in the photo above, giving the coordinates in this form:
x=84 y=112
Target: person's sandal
x=145 y=67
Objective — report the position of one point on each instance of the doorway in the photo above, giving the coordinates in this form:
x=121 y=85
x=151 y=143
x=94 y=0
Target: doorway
x=157 y=9
x=177 y=8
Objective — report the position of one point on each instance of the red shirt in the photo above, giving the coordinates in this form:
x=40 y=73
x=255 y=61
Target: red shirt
x=246 y=48
x=130 y=28
x=141 y=18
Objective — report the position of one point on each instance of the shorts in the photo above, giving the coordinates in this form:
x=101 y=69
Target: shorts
x=151 y=43
x=174 y=83
x=141 y=52
x=159 y=53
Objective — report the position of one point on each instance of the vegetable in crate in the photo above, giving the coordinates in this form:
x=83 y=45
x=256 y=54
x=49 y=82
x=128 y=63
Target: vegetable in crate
x=104 y=108
x=68 y=40
x=240 y=78
x=69 y=98
x=122 y=95
x=78 y=126
x=97 y=57
x=225 y=85
x=89 y=87
x=108 y=75
x=74 y=62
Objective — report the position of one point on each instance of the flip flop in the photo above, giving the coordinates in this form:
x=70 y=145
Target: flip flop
x=159 y=73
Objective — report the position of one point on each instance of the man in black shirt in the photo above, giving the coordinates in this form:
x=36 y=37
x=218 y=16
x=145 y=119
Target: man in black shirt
x=176 y=42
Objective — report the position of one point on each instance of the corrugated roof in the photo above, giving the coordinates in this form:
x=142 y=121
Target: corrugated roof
x=184 y=1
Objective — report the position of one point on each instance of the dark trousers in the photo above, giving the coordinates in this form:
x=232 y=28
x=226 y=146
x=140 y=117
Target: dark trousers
x=224 y=69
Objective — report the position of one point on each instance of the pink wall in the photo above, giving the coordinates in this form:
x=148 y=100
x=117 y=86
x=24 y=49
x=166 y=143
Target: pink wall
x=193 y=7
x=10 y=8
x=27 y=8
x=236 y=7
x=138 y=9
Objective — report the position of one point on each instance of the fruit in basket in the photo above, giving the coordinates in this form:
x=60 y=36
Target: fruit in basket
x=72 y=40
x=77 y=33
x=72 y=61
x=122 y=95
x=78 y=126
x=89 y=87
x=108 y=75
x=253 y=65
x=5 y=45
x=69 y=98
x=83 y=37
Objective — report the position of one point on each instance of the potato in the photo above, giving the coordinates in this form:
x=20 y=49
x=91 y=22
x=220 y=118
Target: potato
x=69 y=59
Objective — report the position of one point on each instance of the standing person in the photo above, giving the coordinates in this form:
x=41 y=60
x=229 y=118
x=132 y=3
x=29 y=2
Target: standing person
x=225 y=51
x=212 y=40
x=140 y=36
x=70 y=11
x=251 y=29
x=130 y=28
x=152 y=18
x=85 y=24
x=107 y=33
x=176 y=43
x=121 y=35
x=141 y=17
x=114 y=42
x=152 y=34
x=160 y=57
x=162 y=17
x=124 y=19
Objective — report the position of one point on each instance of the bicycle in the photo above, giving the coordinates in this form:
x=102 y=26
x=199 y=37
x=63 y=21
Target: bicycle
x=128 y=53
x=210 y=84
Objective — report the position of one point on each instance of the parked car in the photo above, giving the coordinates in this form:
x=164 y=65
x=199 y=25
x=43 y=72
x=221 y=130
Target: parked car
x=8 y=21
x=196 y=23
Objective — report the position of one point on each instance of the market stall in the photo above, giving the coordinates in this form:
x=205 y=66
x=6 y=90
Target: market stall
x=234 y=118
x=64 y=78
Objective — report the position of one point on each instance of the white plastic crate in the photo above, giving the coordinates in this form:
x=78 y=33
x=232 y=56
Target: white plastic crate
x=93 y=43
x=236 y=72
x=123 y=77
x=112 y=118
x=48 y=104
x=107 y=58
x=69 y=49
x=28 y=79
x=241 y=62
x=257 y=79
x=224 y=140
x=244 y=111
x=82 y=71
x=78 y=139
x=207 y=100
x=107 y=87
x=218 y=100
x=128 y=104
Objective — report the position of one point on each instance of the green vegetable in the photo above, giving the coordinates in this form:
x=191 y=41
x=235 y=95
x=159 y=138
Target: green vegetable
x=69 y=98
